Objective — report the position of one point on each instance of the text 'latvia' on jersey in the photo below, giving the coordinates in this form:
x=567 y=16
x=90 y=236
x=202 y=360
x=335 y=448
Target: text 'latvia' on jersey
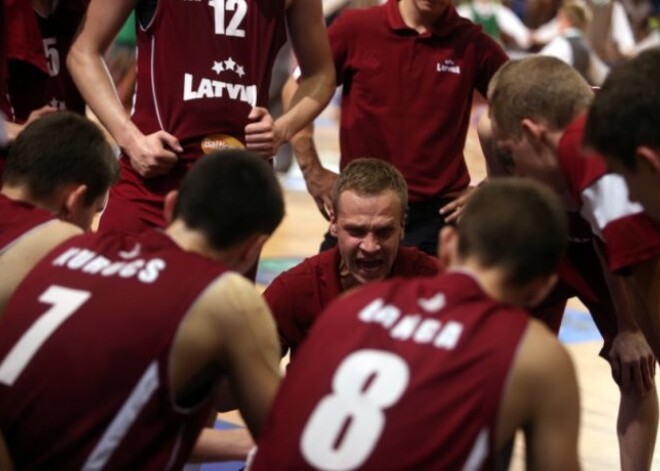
x=203 y=65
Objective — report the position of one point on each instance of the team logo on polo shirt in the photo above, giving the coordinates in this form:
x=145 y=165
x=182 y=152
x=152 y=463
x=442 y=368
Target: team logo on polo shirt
x=214 y=142
x=448 y=65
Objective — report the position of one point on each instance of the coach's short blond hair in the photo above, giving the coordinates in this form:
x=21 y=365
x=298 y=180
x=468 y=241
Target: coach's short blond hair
x=538 y=87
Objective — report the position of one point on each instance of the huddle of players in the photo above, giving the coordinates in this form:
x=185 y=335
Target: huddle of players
x=145 y=383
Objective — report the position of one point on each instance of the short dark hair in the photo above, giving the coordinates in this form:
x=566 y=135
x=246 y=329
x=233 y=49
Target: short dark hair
x=230 y=195
x=625 y=113
x=60 y=149
x=515 y=224
x=367 y=176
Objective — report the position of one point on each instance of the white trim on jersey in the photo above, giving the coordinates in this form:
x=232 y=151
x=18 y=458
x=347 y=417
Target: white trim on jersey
x=124 y=419
x=607 y=200
x=153 y=82
x=479 y=452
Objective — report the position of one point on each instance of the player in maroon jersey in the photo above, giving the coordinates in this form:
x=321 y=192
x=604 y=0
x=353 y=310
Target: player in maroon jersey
x=202 y=84
x=538 y=111
x=131 y=337
x=38 y=83
x=369 y=210
x=623 y=123
x=409 y=69
x=57 y=178
x=439 y=373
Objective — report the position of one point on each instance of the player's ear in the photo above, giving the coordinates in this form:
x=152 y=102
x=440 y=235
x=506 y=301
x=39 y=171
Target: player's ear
x=534 y=130
x=447 y=247
x=73 y=201
x=539 y=289
x=170 y=203
x=650 y=157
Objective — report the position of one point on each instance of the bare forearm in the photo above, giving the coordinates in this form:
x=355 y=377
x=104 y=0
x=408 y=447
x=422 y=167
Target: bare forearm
x=222 y=445
x=95 y=84
x=310 y=98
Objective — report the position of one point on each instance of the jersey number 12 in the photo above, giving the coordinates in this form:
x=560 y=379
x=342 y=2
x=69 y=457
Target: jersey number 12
x=239 y=7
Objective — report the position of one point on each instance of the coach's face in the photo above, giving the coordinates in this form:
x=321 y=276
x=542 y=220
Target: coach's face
x=369 y=229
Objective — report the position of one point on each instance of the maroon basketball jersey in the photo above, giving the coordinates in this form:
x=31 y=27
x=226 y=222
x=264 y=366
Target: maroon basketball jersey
x=17 y=218
x=629 y=235
x=84 y=346
x=400 y=375
x=57 y=31
x=203 y=65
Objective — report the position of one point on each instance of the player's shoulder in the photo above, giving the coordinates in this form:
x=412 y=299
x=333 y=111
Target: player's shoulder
x=228 y=298
x=541 y=357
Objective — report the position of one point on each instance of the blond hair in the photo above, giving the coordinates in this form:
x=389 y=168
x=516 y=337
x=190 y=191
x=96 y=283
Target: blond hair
x=538 y=87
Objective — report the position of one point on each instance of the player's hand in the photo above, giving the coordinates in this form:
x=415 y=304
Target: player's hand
x=40 y=113
x=319 y=183
x=632 y=362
x=155 y=154
x=261 y=135
x=452 y=211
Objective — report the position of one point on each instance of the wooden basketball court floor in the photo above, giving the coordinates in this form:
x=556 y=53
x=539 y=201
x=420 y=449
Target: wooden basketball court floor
x=301 y=232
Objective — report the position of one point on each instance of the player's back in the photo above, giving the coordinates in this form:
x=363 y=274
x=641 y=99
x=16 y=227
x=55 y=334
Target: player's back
x=400 y=375
x=84 y=347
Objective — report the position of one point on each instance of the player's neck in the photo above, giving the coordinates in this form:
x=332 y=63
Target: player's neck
x=21 y=193
x=493 y=282
x=192 y=240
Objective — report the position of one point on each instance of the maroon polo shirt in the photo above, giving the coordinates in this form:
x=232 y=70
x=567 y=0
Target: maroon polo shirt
x=297 y=296
x=407 y=97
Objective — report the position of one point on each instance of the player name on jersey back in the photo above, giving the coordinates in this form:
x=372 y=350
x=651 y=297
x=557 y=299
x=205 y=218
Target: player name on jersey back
x=414 y=327
x=87 y=261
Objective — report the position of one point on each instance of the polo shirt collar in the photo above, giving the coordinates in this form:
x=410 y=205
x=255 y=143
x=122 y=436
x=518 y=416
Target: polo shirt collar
x=442 y=27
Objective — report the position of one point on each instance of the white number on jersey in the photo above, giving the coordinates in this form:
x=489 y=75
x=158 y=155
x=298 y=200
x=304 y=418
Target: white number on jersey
x=345 y=426
x=64 y=301
x=52 y=56
x=239 y=7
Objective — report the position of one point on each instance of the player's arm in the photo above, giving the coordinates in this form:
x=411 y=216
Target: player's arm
x=318 y=179
x=542 y=397
x=247 y=346
x=150 y=155
x=222 y=445
x=631 y=358
x=309 y=40
x=16 y=262
x=645 y=276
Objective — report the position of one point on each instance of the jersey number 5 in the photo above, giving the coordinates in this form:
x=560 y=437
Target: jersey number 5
x=64 y=301
x=345 y=426
x=239 y=7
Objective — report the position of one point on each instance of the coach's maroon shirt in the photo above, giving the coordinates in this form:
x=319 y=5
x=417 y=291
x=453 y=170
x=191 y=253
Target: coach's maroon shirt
x=297 y=296
x=407 y=97
x=405 y=374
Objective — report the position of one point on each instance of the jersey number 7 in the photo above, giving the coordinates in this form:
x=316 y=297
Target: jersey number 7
x=64 y=301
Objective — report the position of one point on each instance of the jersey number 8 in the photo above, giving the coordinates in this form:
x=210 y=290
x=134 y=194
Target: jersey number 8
x=345 y=426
